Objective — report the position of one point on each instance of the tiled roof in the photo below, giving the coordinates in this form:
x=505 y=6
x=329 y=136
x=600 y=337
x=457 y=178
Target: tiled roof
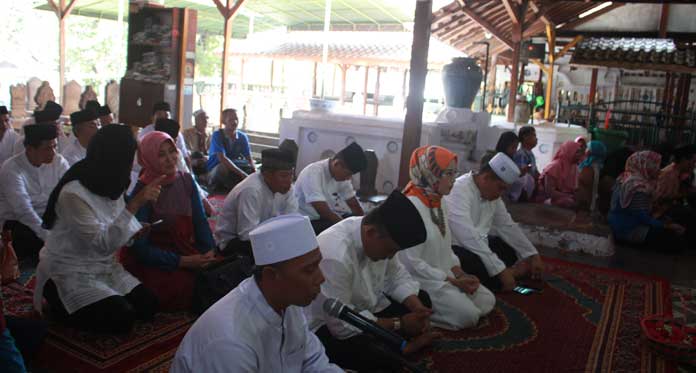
x=357 y=48
x=643 y=53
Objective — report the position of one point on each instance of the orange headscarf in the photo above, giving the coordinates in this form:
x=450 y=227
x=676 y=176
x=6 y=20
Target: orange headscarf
x=426 y=168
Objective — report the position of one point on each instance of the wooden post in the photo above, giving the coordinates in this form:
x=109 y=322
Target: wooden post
x=593 y=87
x=514 y=73
x=344 y=72
x=491 y=82
x=551 y=39
x=314 y=80
x=228 y=12
x=404 y=87
x=272 y=68
x=241 y=74
x=664 y=20
x=685 y=94
x=367 y=72
x=665 y=93
x=413 y=121
x=62 y=12
x=61 y=54
x=376 y=97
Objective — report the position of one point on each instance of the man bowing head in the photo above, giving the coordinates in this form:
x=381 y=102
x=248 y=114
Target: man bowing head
x=258 y=327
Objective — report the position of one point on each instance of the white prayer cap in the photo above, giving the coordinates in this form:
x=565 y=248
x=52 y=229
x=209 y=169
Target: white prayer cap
x=282 y=238
x=505 y=168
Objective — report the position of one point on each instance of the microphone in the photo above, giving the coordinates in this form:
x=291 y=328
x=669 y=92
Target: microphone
x=335 y=308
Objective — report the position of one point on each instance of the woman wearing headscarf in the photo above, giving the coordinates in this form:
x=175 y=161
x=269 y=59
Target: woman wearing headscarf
x=631 y=204
x=459 y=300
x=88 y=222
x=164 y=259
x=588 y=177
x=559 y=179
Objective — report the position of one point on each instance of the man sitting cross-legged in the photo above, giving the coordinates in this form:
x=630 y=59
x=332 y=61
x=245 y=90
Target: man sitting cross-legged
x=490 y=245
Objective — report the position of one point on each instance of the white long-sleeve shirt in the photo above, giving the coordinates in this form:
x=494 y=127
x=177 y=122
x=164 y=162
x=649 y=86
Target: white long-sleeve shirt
x=242 y=333
x=472 y=219
x=9 y=138
x=25 y=189
x=354 y=279
x=432 y=261
x=74 y=152
x=315 y=184
x=250 y=203
x=80 y=250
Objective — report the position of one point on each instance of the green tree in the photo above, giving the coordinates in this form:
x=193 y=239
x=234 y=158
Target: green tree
x=208 y=55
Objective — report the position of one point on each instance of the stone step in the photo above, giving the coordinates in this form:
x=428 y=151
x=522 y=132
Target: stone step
x=263 y=139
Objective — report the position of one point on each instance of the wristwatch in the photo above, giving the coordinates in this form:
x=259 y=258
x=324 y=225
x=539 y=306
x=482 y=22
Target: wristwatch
x=397 y=324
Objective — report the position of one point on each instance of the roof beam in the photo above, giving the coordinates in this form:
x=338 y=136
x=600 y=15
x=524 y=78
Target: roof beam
x=511 y=11
x=485 y=24
x=539 y=14
x=579 y=21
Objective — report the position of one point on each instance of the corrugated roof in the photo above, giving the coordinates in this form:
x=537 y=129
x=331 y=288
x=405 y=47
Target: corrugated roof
x=638 y=53
x=358 y=48
x=271 y=14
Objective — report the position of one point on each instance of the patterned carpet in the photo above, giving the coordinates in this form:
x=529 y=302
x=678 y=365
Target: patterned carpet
x=585 y=320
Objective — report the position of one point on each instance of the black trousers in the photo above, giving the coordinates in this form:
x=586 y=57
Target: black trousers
x=25 y=242
x=362 y=352
x=685 y=215
x=321 y=225
x=28 y=335
x=472 y=264
x=237 y=248
x=113 y=315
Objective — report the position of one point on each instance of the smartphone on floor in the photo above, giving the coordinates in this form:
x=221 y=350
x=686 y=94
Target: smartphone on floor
x=524 y=290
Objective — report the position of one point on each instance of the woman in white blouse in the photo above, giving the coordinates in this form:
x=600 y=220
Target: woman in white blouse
x=88 y=222
x=459 y=300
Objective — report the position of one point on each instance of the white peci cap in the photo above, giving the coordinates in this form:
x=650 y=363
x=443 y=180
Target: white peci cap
x=282 y=238
x=505 y=168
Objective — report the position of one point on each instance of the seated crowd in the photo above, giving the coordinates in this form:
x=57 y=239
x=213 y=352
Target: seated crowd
x=119 y=225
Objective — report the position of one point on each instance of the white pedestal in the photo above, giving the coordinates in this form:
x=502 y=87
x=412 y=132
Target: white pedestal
x=320 y=135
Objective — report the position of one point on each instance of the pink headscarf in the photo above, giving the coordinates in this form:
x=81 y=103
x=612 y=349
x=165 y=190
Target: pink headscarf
x=640 y=175
x=564 y=167
x=148 y=157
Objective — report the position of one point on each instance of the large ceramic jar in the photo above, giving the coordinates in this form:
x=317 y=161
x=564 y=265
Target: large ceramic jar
x=462 y=79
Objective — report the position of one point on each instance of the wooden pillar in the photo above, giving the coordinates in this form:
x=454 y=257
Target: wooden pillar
x=62 y=11
x=514 y=73
x=228 y=11
x=684 y=97
x=61 y=55
x=664 y=20
x=376 y=99
x=272 y=68
x=314 y=80
x=551 y=38
x=665 y=92
x=241 y=74
x=367 y=72
x=490 y=96
x=344 y=72
x=678 y=95
x=404 y=87
x=413 y=121
x=593 y=87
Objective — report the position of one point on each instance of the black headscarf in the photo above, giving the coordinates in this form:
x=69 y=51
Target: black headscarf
x=105 y=171
x=505 y=140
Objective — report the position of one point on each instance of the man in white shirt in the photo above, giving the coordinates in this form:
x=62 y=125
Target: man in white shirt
x=489 y=244
x=84 y=125
x=259 y=326
x=161 y=110
x=323 y=186
x=8 y=136
x=361 y=272
x=28 y=179
x=259 y=197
